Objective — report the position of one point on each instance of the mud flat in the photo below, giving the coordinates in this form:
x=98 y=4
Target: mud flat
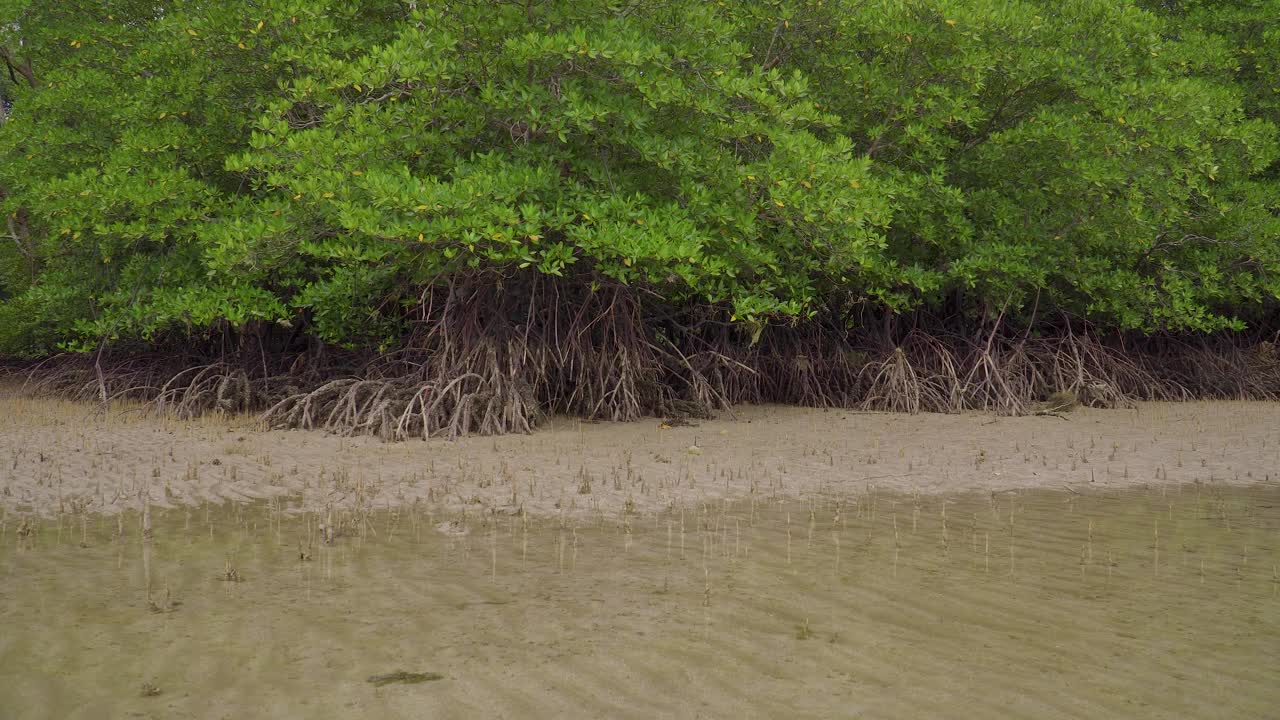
x=1133 y=602
x=780 y=562
x=58 y=457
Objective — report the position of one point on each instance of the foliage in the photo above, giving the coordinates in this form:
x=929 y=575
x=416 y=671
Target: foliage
x=177 y=167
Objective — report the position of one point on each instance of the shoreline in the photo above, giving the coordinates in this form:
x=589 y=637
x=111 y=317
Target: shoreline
x=55 y=456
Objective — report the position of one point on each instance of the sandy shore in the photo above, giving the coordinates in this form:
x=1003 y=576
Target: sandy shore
x=58 y=456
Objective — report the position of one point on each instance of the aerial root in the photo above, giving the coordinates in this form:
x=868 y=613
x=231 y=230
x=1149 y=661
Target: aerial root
x=484 y=362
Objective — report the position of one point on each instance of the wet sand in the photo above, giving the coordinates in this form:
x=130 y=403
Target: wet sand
x=61 y=457
x=780 y=562
x=1139 y=602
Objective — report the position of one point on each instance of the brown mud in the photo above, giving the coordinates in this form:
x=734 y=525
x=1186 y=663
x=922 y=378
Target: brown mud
x=59 y=457
x=1133 y=602
x=773 y=562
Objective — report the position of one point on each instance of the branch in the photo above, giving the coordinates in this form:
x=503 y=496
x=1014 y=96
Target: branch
x=22 y=68
x=17 y=240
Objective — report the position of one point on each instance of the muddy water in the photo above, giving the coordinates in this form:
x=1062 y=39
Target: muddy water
x=1139 y=602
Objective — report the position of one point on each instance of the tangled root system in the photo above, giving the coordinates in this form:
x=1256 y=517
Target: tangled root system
x=482 y=359
x=481 y=372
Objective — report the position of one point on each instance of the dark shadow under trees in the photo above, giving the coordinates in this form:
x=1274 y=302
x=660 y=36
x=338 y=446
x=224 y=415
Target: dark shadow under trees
x=483 y=357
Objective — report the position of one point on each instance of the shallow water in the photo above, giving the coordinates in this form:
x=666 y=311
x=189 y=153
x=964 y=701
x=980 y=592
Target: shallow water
x=1145 y=602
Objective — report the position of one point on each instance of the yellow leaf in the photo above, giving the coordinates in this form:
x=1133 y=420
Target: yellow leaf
x=535 y=238
x=298 y=196
x=107 y=259
x=357 y=173
x=240 y=45
x=639 y=221
x=806 y=184
x=77 y=235
x=420 y=208
x=260 y=24
x=357 y=87
x=191 y=32
x=855 y=184
x=66 y=231
x=951 y=22
x=786 y=24
x=752 y=178
x=421 y=237
x=327 y=195
x=779 y=203
x=664 y=426
x=626 y=261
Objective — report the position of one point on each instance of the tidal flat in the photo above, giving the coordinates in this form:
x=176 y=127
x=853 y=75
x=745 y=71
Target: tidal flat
x=1155 y=600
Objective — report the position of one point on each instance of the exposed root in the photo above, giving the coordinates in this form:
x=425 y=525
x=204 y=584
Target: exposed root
x=482 y=374
x=918 y=374
x=894 y=385
x=483 y=359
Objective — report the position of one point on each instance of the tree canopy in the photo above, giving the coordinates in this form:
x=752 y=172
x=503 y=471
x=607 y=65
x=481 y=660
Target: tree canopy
x=172 y=166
